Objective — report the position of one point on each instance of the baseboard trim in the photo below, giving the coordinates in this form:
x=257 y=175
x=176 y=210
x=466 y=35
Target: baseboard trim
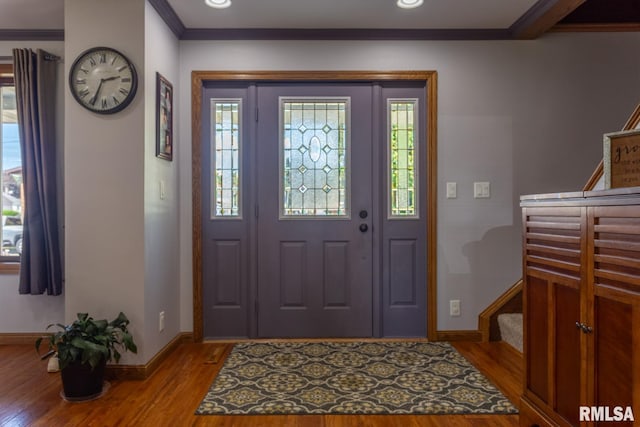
x=142 y=372
x=26 y=338
x=474 y=336
x=124 y=372
x=121 y=372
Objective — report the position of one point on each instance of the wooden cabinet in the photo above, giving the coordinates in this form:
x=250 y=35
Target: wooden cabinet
x=581 y=259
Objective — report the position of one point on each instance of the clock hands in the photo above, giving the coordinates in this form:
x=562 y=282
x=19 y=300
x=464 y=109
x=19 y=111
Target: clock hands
x=93 y=100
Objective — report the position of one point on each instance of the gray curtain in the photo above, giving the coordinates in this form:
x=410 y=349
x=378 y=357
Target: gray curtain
x=35 y=82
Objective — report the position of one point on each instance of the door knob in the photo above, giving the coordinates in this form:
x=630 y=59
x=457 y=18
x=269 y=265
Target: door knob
x=364 y=228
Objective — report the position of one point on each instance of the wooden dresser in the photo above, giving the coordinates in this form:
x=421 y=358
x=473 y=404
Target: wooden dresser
x=581 y=260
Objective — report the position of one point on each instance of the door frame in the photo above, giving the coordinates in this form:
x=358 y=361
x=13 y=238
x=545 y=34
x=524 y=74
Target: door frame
x=198 y=79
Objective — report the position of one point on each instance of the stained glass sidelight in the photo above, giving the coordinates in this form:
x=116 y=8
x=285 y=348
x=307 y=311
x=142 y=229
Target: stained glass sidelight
x=402 y=158
x=315 y=158
x=226 y=149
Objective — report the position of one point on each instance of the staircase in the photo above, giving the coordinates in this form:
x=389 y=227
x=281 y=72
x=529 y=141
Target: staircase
x=511 y=331
x=502 y=320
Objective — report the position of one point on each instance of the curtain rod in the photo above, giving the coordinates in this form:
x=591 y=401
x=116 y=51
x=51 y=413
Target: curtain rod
x=47 y=56
x=51 y=57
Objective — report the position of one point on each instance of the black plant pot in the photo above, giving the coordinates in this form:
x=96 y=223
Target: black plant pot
x=80 y=382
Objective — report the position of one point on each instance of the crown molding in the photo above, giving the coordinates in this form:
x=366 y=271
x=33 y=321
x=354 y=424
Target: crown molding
x=621 y=27
x=541 y=17
x=343 y=34
x=169 y=16
x=47 y=35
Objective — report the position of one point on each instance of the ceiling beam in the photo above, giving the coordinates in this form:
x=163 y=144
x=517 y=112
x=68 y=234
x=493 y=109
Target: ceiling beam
x=542 y=17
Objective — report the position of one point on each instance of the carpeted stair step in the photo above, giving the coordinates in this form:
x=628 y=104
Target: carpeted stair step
x=511 y=329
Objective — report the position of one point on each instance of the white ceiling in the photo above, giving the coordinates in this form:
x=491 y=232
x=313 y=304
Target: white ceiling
x=31 y=14
x=433 y=14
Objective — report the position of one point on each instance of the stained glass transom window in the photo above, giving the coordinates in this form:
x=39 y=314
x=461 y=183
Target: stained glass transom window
x=403 y=155
x=226 y=155
x=314 y=158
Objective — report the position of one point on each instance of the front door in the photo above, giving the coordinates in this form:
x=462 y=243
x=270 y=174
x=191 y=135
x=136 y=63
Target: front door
x=314 y=201
x=313 y=211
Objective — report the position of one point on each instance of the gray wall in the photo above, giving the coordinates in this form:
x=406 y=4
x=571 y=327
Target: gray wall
x=161 y=289
x=528 y=116
x=104 y=176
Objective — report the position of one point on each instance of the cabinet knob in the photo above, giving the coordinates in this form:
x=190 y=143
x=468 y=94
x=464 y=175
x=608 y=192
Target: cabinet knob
x=584 y=328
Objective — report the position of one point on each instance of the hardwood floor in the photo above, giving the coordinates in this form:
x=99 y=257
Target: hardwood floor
x=29 y=396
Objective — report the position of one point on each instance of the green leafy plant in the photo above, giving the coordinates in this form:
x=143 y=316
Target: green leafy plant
x=90 y=341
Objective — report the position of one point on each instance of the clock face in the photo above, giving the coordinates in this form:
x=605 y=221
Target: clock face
x=103 y=80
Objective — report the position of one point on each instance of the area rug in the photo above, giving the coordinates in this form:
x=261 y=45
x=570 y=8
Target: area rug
x=351 y=378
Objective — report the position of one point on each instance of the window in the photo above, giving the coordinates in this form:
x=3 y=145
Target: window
x=314 y=158
x=12 y=201
x=403 y=154
x=226 y=152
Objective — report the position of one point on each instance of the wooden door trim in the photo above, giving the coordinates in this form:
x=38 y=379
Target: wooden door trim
x=198 y=78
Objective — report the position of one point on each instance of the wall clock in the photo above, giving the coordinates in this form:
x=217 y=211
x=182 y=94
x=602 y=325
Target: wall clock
x=103 y=80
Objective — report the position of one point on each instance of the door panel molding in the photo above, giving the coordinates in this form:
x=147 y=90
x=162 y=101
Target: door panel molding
x=198 y=80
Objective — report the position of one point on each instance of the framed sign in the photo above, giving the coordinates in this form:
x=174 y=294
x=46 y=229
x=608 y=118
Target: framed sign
x=164 y=118
x=597 y=177
x=622 y=159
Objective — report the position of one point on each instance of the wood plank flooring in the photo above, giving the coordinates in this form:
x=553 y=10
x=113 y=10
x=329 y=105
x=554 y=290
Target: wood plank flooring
x=29 y=396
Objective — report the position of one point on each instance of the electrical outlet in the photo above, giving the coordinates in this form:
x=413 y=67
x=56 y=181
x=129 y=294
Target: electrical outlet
x=161 y=322
x=454 y=307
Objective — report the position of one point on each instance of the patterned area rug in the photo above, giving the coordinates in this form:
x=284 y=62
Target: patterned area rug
x=351 y=378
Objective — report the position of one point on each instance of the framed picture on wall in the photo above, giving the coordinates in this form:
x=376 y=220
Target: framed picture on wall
x=622 y=159
x=164 y=118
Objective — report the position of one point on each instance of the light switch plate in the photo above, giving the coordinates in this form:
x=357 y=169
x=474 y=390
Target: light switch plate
x=452 y=190
x=481 y=190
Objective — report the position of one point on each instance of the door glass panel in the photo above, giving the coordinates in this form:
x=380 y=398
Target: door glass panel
x=314 y=158
x=225 y=156
x=402 y=154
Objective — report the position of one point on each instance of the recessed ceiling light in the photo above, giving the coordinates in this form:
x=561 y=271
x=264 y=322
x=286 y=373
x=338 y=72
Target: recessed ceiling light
x=409 y=4
x=220 y=4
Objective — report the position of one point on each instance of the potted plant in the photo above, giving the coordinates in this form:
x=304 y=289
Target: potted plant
x=83 y=349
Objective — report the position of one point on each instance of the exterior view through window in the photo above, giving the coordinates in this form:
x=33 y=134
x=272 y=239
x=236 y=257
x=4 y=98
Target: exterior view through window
x=11 y=181
x=403 y=168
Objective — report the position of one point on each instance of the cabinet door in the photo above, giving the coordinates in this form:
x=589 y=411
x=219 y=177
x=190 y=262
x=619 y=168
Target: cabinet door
x=614 y=345
x=554 y=245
